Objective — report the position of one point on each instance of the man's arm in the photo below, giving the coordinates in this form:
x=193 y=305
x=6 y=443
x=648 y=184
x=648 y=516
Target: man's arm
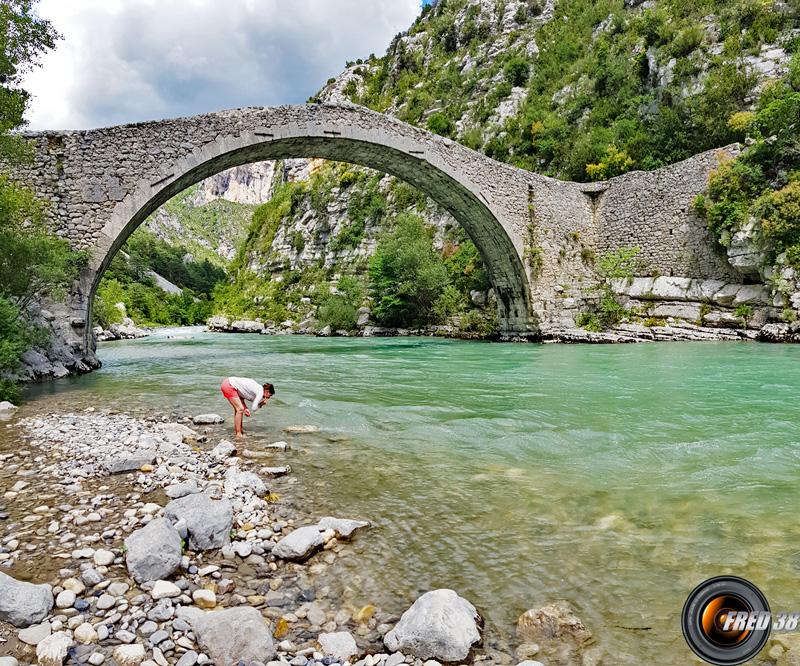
x=259 y=397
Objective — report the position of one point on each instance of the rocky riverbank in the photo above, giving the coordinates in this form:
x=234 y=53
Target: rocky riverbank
x=220 y=324
x=126 y=330
x=146 y=541
x=672 y=330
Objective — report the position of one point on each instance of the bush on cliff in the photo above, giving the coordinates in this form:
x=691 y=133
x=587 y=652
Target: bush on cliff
x=340 y=310
x=762 y=186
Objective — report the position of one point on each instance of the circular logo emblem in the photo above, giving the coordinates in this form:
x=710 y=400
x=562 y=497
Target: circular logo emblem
x=726 y=620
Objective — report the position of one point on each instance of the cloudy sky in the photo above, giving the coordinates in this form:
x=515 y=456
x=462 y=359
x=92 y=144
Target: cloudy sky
x=129 y=60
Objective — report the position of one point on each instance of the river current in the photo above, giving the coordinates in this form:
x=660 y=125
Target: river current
x=615 y=477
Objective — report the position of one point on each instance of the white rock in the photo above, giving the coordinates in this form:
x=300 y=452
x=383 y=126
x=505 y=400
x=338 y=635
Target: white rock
x=340 y=644
x=97 y=658
x=343 y=527
x=52 y=651
x=7 y=409
x=439 y=625
x=204 y=598
x=75 y=585
x=165 y=589
x=86 y=634
x=300 y=544
x=224 y=449
x=106 y=601
x=208 y=521
x=555 y=625
x=208 y=419
x=65 y=599
x=234 y=634
x=276 y=471
x=129 y=655
x=153 y=551
x=237 y=480
x=35 y=634
x=300 y=429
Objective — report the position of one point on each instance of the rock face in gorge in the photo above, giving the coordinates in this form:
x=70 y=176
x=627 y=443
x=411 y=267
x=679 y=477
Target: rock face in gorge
x=247 y=184
x=484 y=73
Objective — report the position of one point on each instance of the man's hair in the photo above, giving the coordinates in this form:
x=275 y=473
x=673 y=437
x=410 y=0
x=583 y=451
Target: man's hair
x=269 y=388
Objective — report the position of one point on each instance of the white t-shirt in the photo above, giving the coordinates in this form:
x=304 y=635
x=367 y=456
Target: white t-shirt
x=249 y=389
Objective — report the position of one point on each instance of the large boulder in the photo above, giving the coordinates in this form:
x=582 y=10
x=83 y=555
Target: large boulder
x=154 y=551
x=439 y=625
x=208 y=521
x=218 y=323
x=234 y=635
x=23 y=604
x=300 y=544
x=246 y=326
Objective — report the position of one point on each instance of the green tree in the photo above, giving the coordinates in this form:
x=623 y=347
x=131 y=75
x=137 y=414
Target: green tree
x=33 y=263
x=407 y=275
x=23 y=38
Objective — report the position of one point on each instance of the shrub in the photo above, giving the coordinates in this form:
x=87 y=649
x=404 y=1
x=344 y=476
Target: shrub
x=614 y=163
x=619 y=263
x=449 y=302
x=485 y=324
x=298 y=241
x=340 y=310
x=744 y=312
x=516 y=71
x=349 y=237
x=741 y=122
x=779 y=213
x=439 y=123
x=589 y=321
x=34 y=263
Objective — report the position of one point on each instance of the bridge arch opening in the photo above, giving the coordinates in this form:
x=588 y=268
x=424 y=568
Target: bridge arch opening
x=440 y=182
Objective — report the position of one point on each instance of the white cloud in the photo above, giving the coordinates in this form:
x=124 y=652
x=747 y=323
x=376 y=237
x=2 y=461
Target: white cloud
x=131 y=60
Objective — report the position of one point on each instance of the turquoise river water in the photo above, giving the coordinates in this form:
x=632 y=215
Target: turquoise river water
x=615 y=477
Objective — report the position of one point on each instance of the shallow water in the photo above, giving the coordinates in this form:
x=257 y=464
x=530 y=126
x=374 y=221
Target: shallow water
x=615 y=477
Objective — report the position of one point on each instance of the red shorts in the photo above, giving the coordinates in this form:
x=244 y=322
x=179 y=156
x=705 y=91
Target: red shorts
x=227 y=390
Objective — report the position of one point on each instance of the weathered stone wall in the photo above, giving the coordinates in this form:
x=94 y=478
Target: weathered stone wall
x=537 y=235
x=653 y=211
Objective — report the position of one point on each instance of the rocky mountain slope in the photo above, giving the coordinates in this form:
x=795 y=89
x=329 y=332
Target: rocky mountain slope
x=569 y=88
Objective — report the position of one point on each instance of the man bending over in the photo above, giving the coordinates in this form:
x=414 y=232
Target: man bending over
x=239 y=391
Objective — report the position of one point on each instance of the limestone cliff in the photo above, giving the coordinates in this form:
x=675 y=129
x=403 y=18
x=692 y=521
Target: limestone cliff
x=569 y=88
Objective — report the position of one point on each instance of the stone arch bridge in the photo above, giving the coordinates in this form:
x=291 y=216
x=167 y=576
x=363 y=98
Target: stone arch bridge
x=537 y=235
